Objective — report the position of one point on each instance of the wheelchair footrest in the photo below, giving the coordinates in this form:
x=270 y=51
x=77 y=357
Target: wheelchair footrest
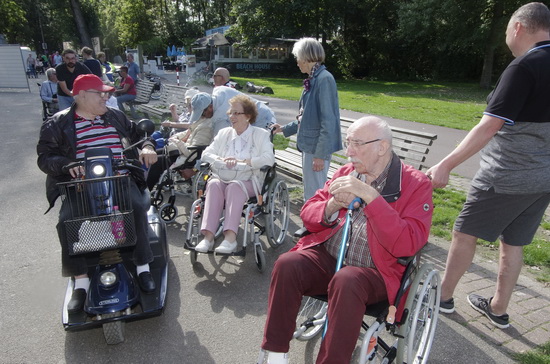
x=238 y=253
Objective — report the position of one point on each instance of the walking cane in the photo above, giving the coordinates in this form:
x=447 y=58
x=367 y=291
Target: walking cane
x=343 y=247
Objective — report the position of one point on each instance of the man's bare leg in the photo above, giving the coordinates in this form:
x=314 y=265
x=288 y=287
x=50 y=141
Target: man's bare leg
x=461 y=254
x=509 y=268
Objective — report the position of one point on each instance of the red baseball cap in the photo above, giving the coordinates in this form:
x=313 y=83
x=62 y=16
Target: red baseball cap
x=90 y=82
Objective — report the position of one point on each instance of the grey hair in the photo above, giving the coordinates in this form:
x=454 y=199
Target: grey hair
x=383 y=130
x=533 y=16
x=308 y=50
x=49 y=72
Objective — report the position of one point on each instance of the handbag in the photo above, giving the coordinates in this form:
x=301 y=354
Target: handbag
x=240 y=172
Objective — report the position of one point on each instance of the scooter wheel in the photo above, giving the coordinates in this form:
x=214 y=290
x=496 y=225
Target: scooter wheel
x=168 y=213
x=113 y=331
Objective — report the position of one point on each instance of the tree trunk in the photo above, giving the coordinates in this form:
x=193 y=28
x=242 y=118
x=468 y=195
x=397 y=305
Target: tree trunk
x=487 y=72
x=81 y=25
x=495 y=32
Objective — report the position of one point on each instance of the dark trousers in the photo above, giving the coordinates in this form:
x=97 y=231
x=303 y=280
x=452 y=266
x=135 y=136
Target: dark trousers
x=311 y=272
x=74 y=265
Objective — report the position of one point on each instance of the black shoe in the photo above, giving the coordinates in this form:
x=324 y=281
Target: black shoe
x=447 y=306
x=300 y=233
x=483 y=305
x=76 y=304
x=146 y=282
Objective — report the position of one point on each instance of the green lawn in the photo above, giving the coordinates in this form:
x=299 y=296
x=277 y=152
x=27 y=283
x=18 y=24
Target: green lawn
x=454 y=105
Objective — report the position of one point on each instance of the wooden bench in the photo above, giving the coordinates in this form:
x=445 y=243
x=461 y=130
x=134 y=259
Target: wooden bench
x=410 y=145
x=143 y=95
x=144 y=88
x=170 y=94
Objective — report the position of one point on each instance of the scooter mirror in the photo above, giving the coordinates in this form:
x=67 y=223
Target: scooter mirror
x=145 y=127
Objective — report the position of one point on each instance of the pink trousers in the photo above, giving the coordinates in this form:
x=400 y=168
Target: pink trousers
x=220 y=194
x=311 y=272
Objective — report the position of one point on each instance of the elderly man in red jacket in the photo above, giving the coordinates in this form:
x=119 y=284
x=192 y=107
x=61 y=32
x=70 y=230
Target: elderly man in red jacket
x=393 y=221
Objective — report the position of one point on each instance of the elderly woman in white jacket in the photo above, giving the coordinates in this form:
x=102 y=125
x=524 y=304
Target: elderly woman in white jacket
x=240 y=147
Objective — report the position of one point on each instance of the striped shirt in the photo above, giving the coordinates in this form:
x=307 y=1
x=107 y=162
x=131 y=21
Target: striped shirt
x=96 y=134
x=358 y=251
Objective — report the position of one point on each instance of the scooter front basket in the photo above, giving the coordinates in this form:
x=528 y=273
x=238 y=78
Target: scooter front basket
x=101 y=214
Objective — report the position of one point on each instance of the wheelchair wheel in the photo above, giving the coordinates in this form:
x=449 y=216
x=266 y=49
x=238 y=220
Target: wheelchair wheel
x=278 y=213
x=260 y=258
x=199 y=183
x=423 y=311
x=193 y=256
x=310 y=319
x=193 y=233
x=168 y=212
x=157 y=198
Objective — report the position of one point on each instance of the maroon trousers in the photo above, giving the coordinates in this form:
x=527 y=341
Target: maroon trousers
x=311 y=272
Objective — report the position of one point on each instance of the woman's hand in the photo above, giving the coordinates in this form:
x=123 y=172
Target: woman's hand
x=276 y=128
x=230 y=162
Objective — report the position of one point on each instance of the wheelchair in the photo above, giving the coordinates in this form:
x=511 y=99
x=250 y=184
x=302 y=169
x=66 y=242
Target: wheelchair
x=48 y=108
x=412 y=335
x=173 y=182
x=273 y=204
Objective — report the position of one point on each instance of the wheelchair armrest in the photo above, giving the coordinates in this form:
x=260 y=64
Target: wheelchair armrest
x=265 y=168
x=197 y=147
x=405 y=260
x=204 y=166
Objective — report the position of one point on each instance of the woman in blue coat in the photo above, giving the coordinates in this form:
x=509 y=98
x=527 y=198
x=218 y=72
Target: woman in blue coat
x=318 y=120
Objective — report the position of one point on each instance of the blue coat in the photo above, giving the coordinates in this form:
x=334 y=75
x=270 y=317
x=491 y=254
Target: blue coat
x=319 y=130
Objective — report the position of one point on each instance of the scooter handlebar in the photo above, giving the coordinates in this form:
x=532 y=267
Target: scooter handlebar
x=66 y=168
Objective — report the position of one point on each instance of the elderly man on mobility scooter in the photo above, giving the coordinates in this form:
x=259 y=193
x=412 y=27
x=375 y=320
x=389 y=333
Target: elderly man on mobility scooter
x=394 y=221
x=65 y=138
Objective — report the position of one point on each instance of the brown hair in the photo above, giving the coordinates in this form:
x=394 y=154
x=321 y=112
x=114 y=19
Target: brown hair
x=249 y=107
x=87 y=51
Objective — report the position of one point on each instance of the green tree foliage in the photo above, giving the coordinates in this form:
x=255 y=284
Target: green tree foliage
x=13 y=23
x=401 y=39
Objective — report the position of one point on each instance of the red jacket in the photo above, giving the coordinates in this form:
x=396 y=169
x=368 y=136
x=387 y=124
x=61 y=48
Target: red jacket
x=398 y=221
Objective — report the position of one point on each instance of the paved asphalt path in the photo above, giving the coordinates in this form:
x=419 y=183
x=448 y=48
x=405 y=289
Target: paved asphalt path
x=215 y=311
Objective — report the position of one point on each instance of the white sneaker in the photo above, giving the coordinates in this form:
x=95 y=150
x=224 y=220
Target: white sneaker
x=204 y=246
x=226 y=247
x=277 y=358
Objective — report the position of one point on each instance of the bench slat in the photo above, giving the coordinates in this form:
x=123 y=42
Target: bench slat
x=170 y=94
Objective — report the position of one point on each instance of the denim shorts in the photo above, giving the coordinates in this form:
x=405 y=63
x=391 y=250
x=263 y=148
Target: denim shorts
x=512 y=218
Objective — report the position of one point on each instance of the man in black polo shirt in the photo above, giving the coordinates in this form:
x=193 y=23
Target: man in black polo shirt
x=67 y=72
x=510 y=192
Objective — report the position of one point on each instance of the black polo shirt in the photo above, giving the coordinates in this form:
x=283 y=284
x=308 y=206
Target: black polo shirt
x=63 y=74
x=522 y=93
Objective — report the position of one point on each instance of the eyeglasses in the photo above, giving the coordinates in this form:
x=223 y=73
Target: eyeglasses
x=356 y=143
x=101 y=94
x=234 y=113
